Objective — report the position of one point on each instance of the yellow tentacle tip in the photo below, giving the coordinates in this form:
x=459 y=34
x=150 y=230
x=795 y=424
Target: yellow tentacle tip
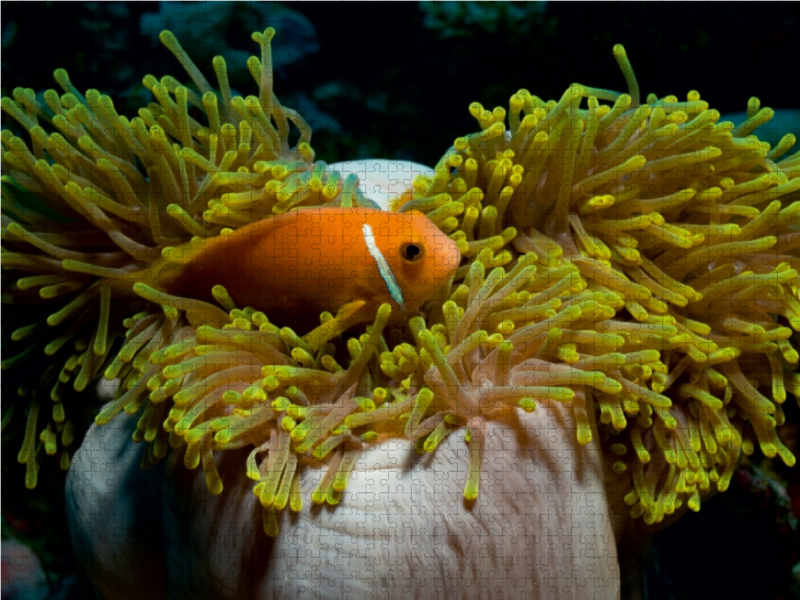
x=169 y=39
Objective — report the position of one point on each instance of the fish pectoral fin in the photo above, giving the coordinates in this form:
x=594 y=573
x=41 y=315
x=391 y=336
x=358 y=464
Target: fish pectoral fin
x=348 y=310
x=345 y=318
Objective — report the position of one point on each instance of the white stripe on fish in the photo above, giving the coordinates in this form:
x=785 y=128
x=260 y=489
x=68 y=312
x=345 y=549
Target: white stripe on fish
x=383 y=267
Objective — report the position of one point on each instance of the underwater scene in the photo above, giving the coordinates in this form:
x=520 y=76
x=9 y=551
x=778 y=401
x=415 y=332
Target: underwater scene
x=436 y=299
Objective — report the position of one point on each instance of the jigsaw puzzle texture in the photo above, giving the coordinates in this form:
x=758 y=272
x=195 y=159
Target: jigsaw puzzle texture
x=380 y=382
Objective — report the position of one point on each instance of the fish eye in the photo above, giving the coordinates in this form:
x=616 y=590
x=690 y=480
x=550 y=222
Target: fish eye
x=412 y=252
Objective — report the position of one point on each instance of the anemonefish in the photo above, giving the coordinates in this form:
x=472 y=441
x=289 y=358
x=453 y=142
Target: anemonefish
x=297 y=265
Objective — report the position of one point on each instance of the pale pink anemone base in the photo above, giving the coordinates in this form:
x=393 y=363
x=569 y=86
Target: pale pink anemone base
x=545 y=524
x=382 y=180
x=541 y=527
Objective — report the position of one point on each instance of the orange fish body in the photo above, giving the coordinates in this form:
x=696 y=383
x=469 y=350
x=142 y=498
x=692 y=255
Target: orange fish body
x=297 y=265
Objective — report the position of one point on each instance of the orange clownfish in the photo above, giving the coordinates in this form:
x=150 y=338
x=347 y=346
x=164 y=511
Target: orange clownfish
x=297 y=265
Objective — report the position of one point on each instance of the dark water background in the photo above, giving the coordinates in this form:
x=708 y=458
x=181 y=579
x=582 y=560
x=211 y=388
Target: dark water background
x=394 y=81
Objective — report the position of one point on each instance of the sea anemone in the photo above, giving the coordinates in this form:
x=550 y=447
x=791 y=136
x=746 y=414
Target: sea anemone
x=672 y=238
x=96 y=197
x=615 y=260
